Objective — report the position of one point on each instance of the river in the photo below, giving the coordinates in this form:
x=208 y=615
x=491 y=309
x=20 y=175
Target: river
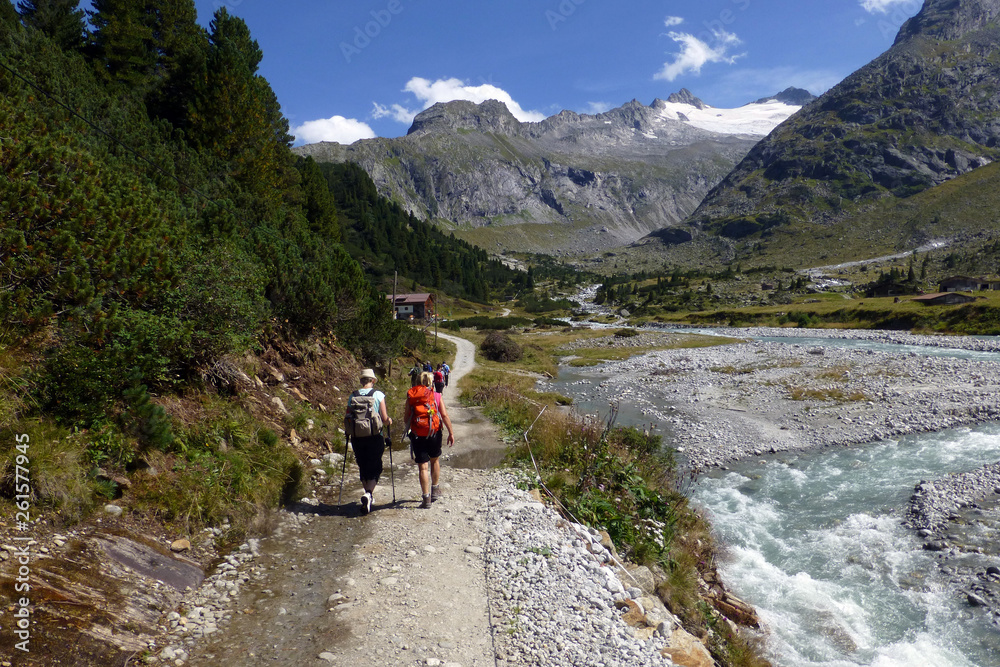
x=815 y=542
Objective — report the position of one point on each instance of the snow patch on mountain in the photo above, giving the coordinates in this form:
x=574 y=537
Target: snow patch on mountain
x=757 y=119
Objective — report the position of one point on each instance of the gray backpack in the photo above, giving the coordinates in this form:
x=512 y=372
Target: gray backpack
x=363 y=419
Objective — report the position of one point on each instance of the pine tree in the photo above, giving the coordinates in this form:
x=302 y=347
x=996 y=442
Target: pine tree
x=318 y=202
x=10 y=21
x=180 y=48
x=122 y=41
x=236 y=116
x=62 y=21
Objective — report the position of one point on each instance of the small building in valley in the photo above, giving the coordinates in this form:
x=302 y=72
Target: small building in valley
x=413 y=306
x=969 y=284
x=944 y=299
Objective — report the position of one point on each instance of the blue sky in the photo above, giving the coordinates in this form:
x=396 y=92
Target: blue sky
x=347 y=70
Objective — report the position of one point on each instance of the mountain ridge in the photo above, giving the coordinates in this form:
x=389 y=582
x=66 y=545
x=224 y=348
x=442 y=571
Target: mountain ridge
x=571 y=183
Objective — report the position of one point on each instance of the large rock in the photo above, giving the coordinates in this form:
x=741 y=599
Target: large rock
x=104 y=594
x=686 y=650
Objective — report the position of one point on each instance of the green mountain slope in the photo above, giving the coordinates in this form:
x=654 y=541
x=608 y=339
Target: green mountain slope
x=385 y=239
x=153 y=219
x=919 y=115
x=957 y=218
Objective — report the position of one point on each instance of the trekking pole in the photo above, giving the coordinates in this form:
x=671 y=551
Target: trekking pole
x=392 y=474
x=340 y=495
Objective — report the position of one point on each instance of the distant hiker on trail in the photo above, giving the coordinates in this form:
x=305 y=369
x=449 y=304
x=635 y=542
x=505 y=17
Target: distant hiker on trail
x=415 y=375
x=428 y=367
x=439 y=379
x=363 y=422
x=425 y=411
x=447 y=371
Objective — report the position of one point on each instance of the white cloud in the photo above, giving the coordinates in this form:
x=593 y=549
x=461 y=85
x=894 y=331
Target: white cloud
x=336 y=128
x=397 y=112
x=595 y=108
x=883 y=6
x=695 y=53
x=430 y=92
x=671 y=21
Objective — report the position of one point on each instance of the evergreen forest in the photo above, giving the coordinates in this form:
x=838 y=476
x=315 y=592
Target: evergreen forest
x=155 y=219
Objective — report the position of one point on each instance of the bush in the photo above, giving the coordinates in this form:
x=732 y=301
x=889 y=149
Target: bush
x=500 y=347
x=626 y=333
x=497 y=323
x=548 y=322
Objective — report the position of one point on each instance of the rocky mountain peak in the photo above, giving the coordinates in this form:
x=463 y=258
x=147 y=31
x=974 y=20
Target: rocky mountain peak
x=489 y=116
x=685 y=96
x=950 y=19
x=798 y=97
x=922 y=113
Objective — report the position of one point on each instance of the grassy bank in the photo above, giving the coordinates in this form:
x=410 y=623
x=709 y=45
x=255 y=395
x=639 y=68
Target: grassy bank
x=614 y=478
x=981 y=317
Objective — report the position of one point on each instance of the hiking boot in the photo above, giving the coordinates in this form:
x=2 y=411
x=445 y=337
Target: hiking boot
x=436 y=493
x=366 y=503
x=425 y=504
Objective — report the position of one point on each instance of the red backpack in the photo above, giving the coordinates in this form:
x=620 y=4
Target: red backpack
x=424 y=419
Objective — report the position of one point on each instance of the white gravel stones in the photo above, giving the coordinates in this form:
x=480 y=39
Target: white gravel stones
x=552 y=600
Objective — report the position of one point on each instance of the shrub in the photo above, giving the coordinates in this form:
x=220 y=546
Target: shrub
x=500 y=347
x=626 y=333
x=497 y=323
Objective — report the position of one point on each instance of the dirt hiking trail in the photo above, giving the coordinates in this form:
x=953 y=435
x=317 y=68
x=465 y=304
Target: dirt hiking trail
x=399 y=586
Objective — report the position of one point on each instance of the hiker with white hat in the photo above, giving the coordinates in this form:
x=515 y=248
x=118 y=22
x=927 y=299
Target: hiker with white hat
x=363 y=423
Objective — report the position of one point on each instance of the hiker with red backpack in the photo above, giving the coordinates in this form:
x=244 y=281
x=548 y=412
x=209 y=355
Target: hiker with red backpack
x=439 y=380
x=425 y=412
x=363 y=422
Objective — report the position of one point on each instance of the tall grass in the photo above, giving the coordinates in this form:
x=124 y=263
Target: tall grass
x=228 y=470
x=61 y=490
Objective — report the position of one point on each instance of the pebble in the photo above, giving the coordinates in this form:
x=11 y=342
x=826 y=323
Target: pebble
x=554 y=603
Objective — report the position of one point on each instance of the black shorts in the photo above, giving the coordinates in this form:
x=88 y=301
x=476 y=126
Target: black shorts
x=368 y=453
x=425 y=448
x=439 y=387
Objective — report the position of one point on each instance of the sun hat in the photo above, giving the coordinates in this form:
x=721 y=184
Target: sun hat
x=368 y=373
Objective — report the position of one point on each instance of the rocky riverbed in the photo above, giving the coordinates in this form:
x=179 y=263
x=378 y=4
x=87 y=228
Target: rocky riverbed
x=731 y=402
x=726 y=403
